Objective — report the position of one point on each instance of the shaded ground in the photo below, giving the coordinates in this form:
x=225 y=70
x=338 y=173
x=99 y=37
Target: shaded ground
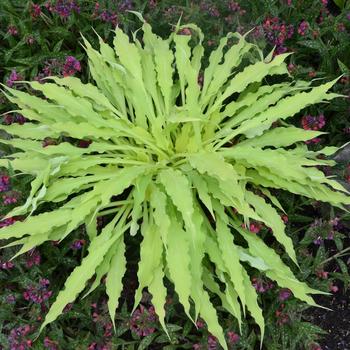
x=336 y=323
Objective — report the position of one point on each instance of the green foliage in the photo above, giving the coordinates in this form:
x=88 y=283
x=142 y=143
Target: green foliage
x=188 y=166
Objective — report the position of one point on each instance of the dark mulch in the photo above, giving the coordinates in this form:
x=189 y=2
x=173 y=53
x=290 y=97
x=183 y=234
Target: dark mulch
x=336 y=323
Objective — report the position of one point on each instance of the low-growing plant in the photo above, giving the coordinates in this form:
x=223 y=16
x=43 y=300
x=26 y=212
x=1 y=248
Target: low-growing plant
x=183 y=163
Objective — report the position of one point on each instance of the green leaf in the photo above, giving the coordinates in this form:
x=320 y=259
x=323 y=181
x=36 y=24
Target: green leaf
x=151 y=251
x=114 y=278
x=80 y=275
x=179 y=264
x=272 y=219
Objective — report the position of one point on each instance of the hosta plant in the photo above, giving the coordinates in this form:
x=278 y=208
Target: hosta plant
x=185 y=165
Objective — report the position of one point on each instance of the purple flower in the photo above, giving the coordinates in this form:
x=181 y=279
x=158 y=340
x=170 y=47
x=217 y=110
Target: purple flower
x=125 y=5
x=348 y=16
x=95 y=346
x=260 y=285
x=276 y=33
x=14 y=76
x=143 y=321
x=233 y=338
x=17 y=338
x=12 y=30
x=212 y=342
x=35 y=10
x=71 y=66
x=33 y=258
x=318 y=240
x=4 y=183
x=38 y=294
x=77 y=244
x=50 y=344
x=30 y=40
x=7 y=265
x=7 y=222
x=10 y=198
x=63 y=8
x=11 y=299
x=303 y=27
x=310 y=122
x=284 y=294
x=109 y=17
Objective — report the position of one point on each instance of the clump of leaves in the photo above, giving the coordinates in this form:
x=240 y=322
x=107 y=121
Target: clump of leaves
x=187 y=167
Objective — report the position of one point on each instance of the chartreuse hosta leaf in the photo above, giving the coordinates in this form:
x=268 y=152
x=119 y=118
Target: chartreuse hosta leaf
x=180 y=165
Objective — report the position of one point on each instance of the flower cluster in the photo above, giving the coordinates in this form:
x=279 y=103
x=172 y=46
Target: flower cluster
x=33 y=258
x=282 y=317
x=315 y=123
x=125 y=5
x=6 y=265
x=11 y=197
x=303 y=28
x=276 y=33
x=211 y=10
x=321 y=229
x=71 y=66
x=35 y=11
x=105 y=15
x=143 y=321
x=18 y=338
x=38 y=294
x=7 y=222
x=261 y=285
x=236 y=7
x=13 y=77
x=63 y=8
x=50 y=344
x=213 y=344
x=4 y=183
x=101 y=317
x=11 y=118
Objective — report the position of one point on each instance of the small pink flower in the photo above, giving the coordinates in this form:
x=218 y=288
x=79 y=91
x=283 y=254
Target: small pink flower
x=233 y=338
x=341 y=27
x=322 y=274
x=284 y=294
x=12 y=30
x=212 y=342
x=14 y=76
x=284 y=217
x=7 y=265
x=185 y=31
x=315 y=346
x=200 y=324
x=143 y=321
x=33 y=258
x=333 y=288
x=71 y=66
x=4 y=183
x=50 y=344
x=315 y=123
x=8 y=222
x=35 y=10
x=303 y=27
x=78 y=244
x=30 y=40
x=254 y=227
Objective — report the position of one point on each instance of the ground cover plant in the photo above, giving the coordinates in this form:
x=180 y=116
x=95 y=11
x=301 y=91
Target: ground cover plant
x=326 y=236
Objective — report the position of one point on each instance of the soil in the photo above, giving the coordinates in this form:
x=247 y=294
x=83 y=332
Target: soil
x=336 y=323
